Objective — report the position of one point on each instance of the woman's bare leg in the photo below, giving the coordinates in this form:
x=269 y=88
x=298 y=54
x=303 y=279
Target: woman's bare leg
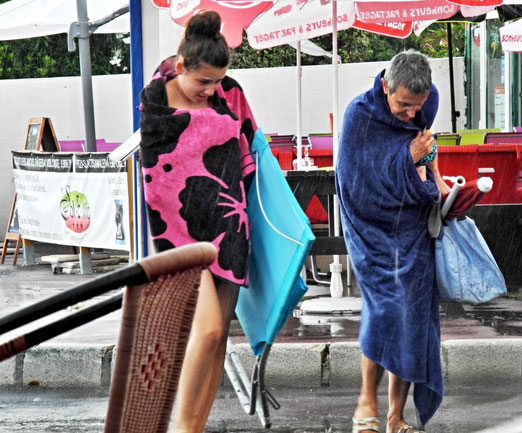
x=200 y=374
x=228 y=294
x=397 y=396
x=367 y=402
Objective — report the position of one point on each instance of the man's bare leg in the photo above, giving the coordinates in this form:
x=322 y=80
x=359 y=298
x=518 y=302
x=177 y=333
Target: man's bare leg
x=367 y=402
x=397 y=396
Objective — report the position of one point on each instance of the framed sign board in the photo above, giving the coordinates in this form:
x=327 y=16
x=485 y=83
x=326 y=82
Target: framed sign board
x=40 y=136
x=12 y=233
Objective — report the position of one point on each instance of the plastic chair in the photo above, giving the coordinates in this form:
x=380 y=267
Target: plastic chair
x=106 y=147
x=158 y=308
x=321 y=141
x=79 y=145
x=474 y=136
x=72 y=145
x=446 y=139
x=503 y=138
x=281 y=238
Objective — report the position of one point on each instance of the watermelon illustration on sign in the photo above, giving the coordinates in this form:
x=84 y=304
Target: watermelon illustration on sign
x=75 y=210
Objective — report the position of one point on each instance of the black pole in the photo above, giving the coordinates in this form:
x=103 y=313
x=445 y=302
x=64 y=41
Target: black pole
x=130 y=275
x=73 y=321
x=31 y=339
x=454 y=113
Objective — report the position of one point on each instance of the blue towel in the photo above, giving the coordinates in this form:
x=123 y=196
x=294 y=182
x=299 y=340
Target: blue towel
x=384 y=215
x=275 y=262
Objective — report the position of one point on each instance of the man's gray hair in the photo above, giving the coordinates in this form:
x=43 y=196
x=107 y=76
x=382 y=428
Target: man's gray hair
x=411 y=69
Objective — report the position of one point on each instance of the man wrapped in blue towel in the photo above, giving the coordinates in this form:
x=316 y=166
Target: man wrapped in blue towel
x=388 y=182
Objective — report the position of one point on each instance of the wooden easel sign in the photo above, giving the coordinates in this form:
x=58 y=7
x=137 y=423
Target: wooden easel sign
x=12 y=233
x=40 y=136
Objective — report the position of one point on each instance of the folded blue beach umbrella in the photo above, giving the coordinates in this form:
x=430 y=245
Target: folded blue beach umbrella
x=281 y=238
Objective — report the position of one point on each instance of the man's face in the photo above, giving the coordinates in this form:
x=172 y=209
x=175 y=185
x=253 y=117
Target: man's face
x=403 y=103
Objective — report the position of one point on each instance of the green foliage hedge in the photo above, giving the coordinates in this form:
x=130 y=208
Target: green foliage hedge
x=110 y=54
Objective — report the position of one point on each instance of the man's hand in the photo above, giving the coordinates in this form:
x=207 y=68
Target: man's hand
x=421 y=145
x=443 y=186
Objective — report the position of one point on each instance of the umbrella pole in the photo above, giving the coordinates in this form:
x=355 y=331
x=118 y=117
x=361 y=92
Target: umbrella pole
x=336 y=284
x=85 y=67
x=299 y=132
x=454 y=113
x=140 y=214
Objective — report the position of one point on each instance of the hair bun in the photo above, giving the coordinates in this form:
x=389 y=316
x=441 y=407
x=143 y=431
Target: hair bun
x=204 y=24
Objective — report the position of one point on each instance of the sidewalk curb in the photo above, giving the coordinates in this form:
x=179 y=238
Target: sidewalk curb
x=289 y=364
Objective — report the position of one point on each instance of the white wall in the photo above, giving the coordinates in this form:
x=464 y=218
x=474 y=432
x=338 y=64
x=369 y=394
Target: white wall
x=271 y=92
x=160 y=35
x=60 y=99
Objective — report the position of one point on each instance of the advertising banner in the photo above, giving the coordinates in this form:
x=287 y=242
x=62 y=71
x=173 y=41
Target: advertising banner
x=401 y=11
x=396 y=30
x=294 y=20
x=72 y=199
x=511 y=37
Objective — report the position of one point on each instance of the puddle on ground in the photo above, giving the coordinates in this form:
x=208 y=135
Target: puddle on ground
x=504 y=322
x=502 y=317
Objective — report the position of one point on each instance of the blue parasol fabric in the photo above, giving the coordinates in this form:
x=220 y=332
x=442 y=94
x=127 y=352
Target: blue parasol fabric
x=281 y=238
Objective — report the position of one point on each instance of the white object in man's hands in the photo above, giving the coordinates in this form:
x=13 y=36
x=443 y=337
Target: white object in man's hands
x=127 y=148
x=485 y=184
x=458 y=182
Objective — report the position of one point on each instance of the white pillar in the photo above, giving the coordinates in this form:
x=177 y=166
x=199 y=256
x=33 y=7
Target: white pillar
x=508 y=127
x=336 y=286
x=483 y=75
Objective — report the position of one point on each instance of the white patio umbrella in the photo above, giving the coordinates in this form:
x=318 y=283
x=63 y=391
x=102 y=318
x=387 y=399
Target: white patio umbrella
x=21 y=19
x=292 y=21
x=511 y=37
x=276 y=23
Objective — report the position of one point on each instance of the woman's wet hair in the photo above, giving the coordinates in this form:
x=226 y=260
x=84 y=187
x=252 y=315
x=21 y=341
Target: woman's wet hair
x=203 y=42
x=411 y=69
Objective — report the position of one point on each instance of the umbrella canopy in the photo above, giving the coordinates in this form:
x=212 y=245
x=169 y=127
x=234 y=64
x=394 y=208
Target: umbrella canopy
x=422 y=13
x=21 y=19
x=371 y=11
x=236 y=15
x=277 y=23
x=511 y=37
x=293 y=20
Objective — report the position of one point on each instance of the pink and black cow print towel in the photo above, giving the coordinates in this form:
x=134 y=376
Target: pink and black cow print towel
x=196 y=170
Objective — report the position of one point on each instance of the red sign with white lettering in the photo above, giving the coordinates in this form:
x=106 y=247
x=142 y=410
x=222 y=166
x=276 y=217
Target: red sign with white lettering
x=161 y=3
x=395 y=30
x=235 y=15
x=402 y=11
x=479 y=3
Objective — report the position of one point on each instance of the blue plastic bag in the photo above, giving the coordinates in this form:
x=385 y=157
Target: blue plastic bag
x=465 y=268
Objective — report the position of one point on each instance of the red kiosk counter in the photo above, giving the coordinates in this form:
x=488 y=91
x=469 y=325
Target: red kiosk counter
x=499 y=214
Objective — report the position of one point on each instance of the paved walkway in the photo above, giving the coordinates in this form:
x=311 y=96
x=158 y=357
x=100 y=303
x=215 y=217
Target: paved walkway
x=313 y=348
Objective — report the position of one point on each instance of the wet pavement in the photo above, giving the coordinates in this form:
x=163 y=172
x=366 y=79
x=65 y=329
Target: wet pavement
x=317 y=410
x=24 y=285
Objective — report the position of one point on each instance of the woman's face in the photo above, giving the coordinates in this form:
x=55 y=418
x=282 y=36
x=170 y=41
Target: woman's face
x=197 y=85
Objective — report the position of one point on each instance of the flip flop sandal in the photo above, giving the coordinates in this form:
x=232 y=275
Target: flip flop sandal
x=409 y=429
x=371 y=423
